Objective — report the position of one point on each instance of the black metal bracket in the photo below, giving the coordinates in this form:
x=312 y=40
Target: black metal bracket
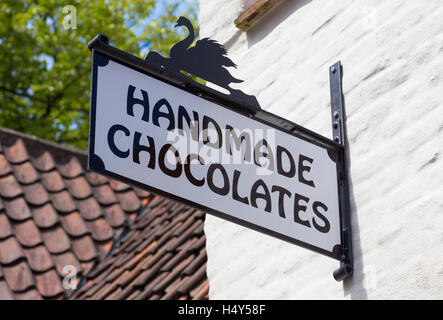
x=339 y=135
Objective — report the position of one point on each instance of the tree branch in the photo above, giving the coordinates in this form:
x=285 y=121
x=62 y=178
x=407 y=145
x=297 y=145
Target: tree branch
x=22 y=94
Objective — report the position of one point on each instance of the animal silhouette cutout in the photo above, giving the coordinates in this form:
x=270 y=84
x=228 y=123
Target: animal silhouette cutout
x=206 y=60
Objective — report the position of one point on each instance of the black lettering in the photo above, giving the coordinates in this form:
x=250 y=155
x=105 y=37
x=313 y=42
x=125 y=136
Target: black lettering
x=188 y=173
x=327 y=225
x=265 y=196
x=302 y=168
x=259 y=154
x=224 y=190
x=162 y=158
x=131 y=101
x=137 y=148
x=213 y=144
x=111 y=142
x=298 y=207
x=282 y=192
x=193 y=125
x=238 y=140
x=235 y=194
x=156 y=114
x=291 y=172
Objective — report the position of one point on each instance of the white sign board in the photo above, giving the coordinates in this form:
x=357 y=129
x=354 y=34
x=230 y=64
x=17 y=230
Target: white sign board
x=162 y=138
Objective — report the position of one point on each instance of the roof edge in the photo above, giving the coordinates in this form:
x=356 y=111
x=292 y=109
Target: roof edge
x=5 y=132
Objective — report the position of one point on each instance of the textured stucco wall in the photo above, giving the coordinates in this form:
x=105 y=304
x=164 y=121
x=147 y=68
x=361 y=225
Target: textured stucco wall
x=392 y=52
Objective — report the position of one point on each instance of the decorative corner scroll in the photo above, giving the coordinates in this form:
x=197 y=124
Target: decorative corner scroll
x=96 y=163
x=207 y=60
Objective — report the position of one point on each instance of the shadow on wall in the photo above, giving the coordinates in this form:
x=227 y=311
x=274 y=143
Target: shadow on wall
x=354 y=286
x=273 y=19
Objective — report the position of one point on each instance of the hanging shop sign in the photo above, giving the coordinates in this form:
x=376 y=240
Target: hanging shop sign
x=153 y=127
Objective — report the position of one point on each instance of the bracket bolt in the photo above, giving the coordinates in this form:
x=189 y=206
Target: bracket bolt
x=335 y=124
x=337 y=139
x=336 y=114
x=333 y=69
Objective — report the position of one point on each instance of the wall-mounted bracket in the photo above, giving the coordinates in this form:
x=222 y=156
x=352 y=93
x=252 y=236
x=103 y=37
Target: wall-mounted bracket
x=339 y=135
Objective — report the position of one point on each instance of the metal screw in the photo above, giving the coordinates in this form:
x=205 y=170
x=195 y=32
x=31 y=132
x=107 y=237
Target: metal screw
x=333 y=69
x=335 y=124
x=337 y=139
x=336 y=114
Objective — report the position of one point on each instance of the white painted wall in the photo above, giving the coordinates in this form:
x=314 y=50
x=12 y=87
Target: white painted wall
x=392 y=52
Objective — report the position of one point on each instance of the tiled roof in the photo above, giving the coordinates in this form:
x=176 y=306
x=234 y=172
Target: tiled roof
x=53 y=213
x=163 y=256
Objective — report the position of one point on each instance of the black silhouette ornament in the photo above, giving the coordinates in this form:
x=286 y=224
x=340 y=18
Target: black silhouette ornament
x=206 y=60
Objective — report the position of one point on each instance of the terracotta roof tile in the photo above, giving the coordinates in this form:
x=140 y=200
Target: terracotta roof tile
x=18 y=276
x=71 y=168
x=132 y=216
x=78 y=187
x=161 y=286
x=45 y=216
x=5 y=226
x=31 y=294
x=198 y=245
x=84 y=248
x=48 y=284
x=43 y=162
x=27 y=233
x=118 y=186
x=56 y=240
x=201 y=292
x=105 y=195
x=118 y=232
x=141 y=193
x=17 y=209
x=35 y=194
x=147 y=292
x=101 y=231
x=114 y=215
x=183 y=237
x=114 y=294
x=5 y=168
x=66 y=259
x=39 y=258
x=96 y=179
x=74 y=224
x=52 y=181
x=5 y=292
x=178 y=257
x=171 y=290
x=16 y=152
x=104 y=248
x=10 y=251
x=89 y=208
x=129 y=201
x=9 y=188
x=194 y=280
x=63 y=202
x=25 y=173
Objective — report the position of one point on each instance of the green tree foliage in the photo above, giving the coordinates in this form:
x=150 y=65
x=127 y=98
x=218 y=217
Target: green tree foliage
x=45 y=69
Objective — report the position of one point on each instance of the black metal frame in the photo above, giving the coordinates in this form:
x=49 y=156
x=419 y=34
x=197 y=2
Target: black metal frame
x=339 y=133
x=336 y=149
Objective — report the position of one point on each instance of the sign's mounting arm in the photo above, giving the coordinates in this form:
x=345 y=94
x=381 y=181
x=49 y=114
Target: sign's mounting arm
x=339 y=135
